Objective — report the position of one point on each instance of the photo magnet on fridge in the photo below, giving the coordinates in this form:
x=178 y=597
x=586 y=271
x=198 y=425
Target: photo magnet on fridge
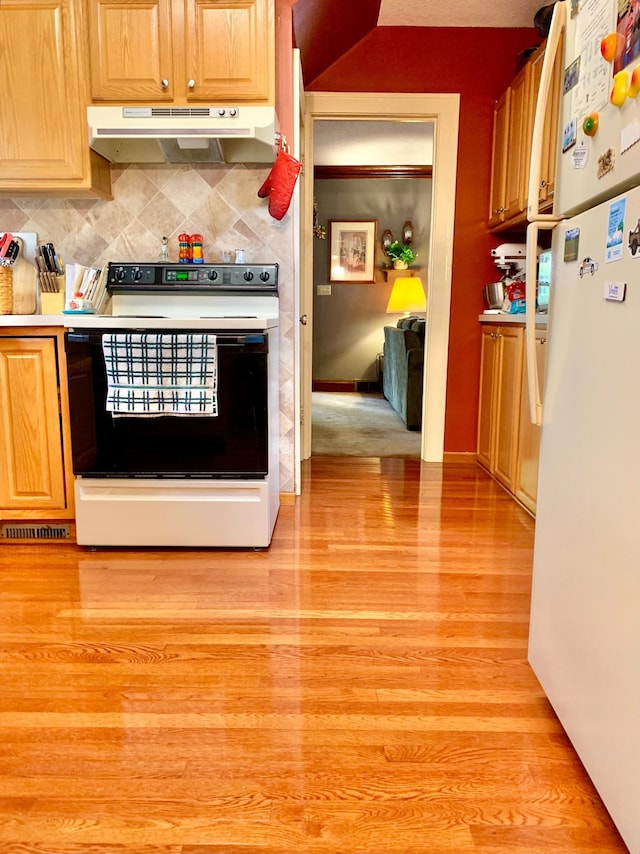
x=569 y=135
x=571 y=76
x=571 y=244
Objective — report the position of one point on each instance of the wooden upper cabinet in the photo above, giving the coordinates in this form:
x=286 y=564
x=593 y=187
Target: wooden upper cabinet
x=182 y=51
x=230 y=49
x=43 y=124
x=512 y=137
x=499 y=158
x=518 y=145
x=550 y=130
x=131 y=50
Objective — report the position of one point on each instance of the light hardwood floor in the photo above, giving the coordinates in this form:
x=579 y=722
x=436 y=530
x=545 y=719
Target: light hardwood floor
x=361 y=686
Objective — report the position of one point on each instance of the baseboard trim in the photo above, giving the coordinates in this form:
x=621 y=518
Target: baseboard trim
x=459 y=457
x=345 y=385
x=287 y=498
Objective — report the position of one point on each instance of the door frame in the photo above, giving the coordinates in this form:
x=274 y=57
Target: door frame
x=443 y=110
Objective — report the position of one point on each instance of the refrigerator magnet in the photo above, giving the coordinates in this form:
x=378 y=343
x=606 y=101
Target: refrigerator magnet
x=579 y=157
x=571 y=76
x=606 y=162
x=571 y=243
x=615 y=291
x=634 y=240
x=569 y=135
x=615 y=230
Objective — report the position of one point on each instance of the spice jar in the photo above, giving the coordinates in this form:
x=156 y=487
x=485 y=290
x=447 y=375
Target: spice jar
x=196 y=249
x=184 y=249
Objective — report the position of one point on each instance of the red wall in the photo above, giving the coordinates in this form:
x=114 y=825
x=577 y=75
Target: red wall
x=479 y=64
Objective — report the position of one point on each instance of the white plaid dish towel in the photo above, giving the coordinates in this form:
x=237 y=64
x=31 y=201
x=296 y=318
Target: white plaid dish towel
x=161 y=373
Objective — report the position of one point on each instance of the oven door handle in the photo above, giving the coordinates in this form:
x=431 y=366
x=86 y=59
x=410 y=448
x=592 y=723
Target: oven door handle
x=256 y=340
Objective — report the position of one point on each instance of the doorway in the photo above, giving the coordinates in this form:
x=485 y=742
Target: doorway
x=443 y=111
x=374 y=177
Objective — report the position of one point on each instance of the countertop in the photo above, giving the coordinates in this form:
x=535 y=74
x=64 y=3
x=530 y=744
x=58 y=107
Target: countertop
x=32 y=320
x=502 y=319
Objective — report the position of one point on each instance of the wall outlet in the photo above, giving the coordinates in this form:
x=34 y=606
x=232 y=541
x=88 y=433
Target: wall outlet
x=323 y=290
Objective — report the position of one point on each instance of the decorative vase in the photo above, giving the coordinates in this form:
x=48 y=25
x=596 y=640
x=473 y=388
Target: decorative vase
x=400 y=265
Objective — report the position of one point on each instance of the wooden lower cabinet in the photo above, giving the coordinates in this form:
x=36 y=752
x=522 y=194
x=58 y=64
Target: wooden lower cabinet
x=508 y=443
x=499 y=412
x=526 y=479
x=35 y=448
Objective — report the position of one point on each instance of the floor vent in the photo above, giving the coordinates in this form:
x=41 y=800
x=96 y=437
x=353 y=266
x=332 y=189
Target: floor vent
x=29 y=531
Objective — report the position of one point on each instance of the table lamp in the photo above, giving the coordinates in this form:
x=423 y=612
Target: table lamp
x=407 y=296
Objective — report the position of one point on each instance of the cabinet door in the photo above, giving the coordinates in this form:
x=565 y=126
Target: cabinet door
x=507 y=417
x=131 y=56
x=486 y=409
x=30 y=431
x=43 y=143
x=526 y=478
x=499 y=159
x=550 y=130
x=518 y=149
x=548 y=175
x=229 y=50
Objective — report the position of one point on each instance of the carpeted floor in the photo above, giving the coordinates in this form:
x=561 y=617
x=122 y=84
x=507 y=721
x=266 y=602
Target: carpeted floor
x=359 y=425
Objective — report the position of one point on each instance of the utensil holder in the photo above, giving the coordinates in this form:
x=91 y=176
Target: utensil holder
x=6 y=290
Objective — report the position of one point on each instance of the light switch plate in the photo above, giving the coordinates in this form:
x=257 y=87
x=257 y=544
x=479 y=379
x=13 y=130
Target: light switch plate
x=323 y=290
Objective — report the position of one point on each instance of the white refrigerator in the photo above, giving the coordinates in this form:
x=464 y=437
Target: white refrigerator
x=584 y=643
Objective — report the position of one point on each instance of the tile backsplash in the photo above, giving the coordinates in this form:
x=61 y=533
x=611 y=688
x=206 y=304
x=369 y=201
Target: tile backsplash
x=150 y=202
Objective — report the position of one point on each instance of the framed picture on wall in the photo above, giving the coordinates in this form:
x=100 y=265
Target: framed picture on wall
x=352 y=250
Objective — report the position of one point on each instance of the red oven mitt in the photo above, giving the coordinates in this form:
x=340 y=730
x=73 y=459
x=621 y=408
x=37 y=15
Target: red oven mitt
x=280 y=183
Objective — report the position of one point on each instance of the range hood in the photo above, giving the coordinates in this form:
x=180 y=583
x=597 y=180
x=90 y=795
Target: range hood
x=183 y=134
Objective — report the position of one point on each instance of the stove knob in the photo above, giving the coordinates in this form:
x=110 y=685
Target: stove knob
x=264 y=276
x=137 y=275
x=120 y=274
x=213 y=275
x=233 y=112
x=248 y=276
x=221 y=111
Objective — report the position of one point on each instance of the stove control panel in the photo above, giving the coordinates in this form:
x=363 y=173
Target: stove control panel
x=193 y=277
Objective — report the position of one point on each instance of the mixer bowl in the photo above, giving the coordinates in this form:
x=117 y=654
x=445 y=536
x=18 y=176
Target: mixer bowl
x=493 y=295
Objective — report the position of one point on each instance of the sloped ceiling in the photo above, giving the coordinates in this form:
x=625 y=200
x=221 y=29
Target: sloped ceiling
x=471 y=13
x=327 y=29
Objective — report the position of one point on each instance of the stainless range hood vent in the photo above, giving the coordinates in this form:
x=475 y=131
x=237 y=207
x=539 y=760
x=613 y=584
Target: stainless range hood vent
x=202 y=134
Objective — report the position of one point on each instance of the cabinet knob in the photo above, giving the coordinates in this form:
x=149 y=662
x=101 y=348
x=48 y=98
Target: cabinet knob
x=164 y=83
x=543 y=184
x=191 y=83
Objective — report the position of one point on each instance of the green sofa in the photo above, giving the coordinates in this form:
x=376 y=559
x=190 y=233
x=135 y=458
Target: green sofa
x=403 y=369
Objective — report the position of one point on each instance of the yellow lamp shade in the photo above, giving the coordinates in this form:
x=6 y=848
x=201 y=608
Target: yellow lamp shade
x=407 y=295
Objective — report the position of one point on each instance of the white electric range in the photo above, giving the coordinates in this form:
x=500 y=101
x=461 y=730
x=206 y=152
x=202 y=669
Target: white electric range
x=209 y=480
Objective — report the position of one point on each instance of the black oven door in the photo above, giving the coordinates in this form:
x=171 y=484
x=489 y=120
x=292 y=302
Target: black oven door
x=233 y=444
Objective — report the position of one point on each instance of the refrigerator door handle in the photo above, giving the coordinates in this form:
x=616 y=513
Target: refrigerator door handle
x=533 y=380
x=554 y=45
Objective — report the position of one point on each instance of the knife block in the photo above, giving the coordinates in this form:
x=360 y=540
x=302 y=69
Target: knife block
x=51 y=303
x=6 y=290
